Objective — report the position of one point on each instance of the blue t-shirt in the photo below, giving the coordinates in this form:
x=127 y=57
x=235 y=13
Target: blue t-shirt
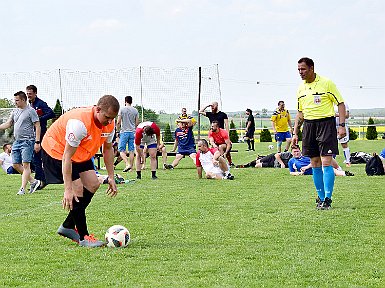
x=185 y=138
x=382 y=154
x=295 y=165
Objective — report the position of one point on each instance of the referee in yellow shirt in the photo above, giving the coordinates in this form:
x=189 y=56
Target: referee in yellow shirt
x=316 y=98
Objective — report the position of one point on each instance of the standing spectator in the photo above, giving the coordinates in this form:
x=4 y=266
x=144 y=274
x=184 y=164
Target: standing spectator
x=184 y=115
x=45 y=113
x=281 y=123
x=6 y=160
x=25 y=119
x=217 y=115
x=128 y=120
x=316 y=97
x=345 y=140
x=219 y=138
x=147 y=133
x=69 y=145
x=184 y=140
x=250 y=128
x=211 y=161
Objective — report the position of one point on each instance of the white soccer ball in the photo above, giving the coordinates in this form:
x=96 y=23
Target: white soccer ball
x=117 y=236
x=271 y=147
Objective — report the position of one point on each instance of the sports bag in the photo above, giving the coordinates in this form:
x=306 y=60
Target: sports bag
x=374 y=166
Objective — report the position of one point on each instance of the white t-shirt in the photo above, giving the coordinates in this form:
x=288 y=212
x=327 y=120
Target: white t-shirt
x=7 y=161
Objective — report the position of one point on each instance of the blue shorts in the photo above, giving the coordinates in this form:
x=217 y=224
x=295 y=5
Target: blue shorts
x=154 y=145
x=187 y=152
x=282 y=136
x=22 y=151
x=12 y=170
x=124 y=139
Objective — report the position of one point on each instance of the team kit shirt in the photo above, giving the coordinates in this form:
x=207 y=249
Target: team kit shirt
x=79 y=129
x=295 y=164
x=141 y=138
x=205 y=160
x=219 y=137
x=186 y=141
x=316 y=100
x=183 y=117
x=281 y=120
x=250 y=118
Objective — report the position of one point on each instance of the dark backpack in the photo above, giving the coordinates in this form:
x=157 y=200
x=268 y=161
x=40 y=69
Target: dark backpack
x=374 y=166
x=359 y=157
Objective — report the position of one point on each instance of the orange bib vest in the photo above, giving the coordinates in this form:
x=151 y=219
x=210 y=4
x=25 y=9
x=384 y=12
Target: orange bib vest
x=54 y=140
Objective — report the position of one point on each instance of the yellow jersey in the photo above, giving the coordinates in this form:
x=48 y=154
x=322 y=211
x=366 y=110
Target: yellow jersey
x=281 y=120
x=316 y=100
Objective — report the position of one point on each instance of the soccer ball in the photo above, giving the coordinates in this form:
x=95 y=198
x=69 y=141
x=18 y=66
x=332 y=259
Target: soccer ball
x=271 y=147
x=117 y=236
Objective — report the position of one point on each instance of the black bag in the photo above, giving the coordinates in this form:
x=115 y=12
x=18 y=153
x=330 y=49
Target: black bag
x=359 y=157
x=375 y=166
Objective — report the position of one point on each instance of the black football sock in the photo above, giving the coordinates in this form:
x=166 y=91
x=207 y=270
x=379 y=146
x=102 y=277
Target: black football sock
x=69 y=222
x=138 y=174
x=79 y=216
x=248 y=143
x=87 y=197
x=252 y=144
x=153 y=173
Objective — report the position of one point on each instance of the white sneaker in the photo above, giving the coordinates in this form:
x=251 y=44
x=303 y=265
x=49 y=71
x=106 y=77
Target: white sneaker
x=34 y=186
x=21 y=192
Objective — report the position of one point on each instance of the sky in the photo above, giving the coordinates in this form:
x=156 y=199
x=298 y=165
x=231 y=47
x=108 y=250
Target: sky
x=256 y=44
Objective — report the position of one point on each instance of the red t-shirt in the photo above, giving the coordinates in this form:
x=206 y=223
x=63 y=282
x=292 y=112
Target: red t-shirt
x=220 y=137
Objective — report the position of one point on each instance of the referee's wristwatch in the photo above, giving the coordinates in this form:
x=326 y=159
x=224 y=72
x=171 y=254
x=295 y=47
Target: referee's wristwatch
x=342 y=124
x=37 y=142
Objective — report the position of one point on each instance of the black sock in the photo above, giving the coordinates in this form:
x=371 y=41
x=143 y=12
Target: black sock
x=87 y=197
x=79 y=216
x=69 y=222
x=138 y=174
x=248 y=143
x=252 y=144
x=153 y=173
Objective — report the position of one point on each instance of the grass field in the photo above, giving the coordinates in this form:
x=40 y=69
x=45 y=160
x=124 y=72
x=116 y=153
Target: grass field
x=260 y=230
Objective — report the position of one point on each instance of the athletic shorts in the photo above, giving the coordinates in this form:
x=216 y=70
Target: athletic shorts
x=124 y=139
x=250 y=133
x=53 y=169
x=12 y=170
x=22 y=151
x=282 y=136
x=319 y=137
x=154 y=145
x=268 y=161
x=187 y=152
x=344 y=139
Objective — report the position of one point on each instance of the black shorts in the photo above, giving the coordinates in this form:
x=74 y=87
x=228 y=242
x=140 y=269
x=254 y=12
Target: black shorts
x=319 y=137
x=250 y=133
x=53 y=169
x=268 y=161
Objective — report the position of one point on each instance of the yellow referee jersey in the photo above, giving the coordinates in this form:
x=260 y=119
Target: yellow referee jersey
x=316 y=100
x=281 y=120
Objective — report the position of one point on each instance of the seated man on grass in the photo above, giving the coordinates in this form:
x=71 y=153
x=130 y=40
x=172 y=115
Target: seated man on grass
x=184 y=140
x=211 y=161
x=300 y=165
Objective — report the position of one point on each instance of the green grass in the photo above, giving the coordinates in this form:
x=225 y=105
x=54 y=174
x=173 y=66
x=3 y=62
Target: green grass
x=260 y=230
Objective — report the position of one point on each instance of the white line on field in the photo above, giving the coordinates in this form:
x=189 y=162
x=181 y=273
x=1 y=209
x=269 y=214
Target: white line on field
x=26 y=211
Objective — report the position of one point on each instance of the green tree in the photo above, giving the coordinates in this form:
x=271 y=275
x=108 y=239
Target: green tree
x=352 y=134
x=6 y=103
x=168 y=134
x=265 y=135
x=58 y=110
x=371 y=132
x=148 y=114
x=233 y=133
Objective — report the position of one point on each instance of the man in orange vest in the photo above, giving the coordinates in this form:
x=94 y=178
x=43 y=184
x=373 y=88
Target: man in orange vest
x=68 y=147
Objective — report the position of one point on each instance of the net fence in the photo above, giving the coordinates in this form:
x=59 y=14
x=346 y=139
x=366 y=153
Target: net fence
x=160 y=89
